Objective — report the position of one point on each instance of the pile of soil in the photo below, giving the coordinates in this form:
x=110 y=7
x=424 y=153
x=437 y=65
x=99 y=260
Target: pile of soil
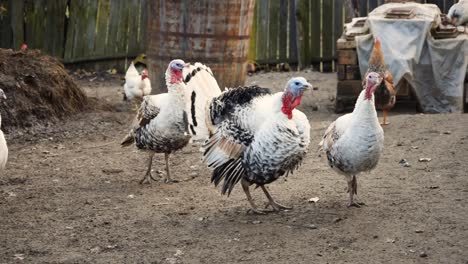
x=38 y=89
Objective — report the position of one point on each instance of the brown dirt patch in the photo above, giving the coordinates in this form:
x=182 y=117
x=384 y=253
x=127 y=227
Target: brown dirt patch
x=38 y=89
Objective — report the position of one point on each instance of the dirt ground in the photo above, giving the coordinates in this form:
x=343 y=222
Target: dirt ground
x=71 y=194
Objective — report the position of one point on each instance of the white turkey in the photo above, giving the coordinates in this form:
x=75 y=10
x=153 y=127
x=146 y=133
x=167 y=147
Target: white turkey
x=458 y=13
x=258 y=137
x=166 y=122
x=3 y=144
x=136 y=85
x=354 y=142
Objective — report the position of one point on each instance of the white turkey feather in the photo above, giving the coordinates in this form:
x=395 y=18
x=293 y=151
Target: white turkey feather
x=201 y=87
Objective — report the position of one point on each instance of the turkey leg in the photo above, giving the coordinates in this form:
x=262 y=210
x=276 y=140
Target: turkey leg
x=245 y=187
x=168 y=171
x=276 y=206
x=384 y=123
x=148 y=176
x=352 y=189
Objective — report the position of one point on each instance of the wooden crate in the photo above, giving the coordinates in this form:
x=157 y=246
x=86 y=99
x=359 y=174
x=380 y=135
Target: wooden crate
x=348 y=57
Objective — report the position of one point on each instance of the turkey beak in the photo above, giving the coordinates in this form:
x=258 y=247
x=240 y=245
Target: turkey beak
x=307 y=86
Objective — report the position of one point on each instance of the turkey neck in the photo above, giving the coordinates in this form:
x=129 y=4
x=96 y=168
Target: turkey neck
x=364 y=114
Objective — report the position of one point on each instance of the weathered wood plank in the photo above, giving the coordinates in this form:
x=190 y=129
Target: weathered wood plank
x=262 y=40
x=293 y=36
x=17 y=22
x=253 y=37
x=338 y=22
x=315 y=46
x=273 y=30
x=328 y=37
x=348 y=57
x=373 y=4
x=102 y=18
x=132 y=29
x=143 y=24
x=6 y=39
x=54 y=29
x=303 y=13
x=362 y=8
x=283 y=30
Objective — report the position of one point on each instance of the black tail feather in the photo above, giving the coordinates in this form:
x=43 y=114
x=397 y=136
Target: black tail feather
x=231 y=171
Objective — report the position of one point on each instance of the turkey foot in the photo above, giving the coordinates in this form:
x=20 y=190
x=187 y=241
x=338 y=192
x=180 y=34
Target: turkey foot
x=385 y=122
x=271 y=202
x=147 y=179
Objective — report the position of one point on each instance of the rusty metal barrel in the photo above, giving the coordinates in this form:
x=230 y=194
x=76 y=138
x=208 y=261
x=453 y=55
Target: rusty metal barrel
x=213 y=32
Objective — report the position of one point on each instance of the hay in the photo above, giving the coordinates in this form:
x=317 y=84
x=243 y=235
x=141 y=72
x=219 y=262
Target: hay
x=38 y=89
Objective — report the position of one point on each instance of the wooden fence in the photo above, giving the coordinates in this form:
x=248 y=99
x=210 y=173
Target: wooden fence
x=302 y=32
x=76 y=30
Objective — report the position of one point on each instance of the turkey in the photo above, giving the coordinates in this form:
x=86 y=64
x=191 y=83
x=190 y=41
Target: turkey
x=385 y=96
x=136 y=85
x=353 y=142
x=166 y=122
x=257 y=137
x=458 y=13
x=3 y=144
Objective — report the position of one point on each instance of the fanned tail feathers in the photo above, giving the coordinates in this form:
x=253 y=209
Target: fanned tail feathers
x=231 y=171
x=201 y=88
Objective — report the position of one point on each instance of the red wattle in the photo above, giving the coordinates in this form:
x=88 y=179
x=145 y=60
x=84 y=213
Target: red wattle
x=289 y=103
x=369 y=91
x=176 y=76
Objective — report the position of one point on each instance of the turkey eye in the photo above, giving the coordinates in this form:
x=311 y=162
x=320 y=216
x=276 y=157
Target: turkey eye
x=297 y=83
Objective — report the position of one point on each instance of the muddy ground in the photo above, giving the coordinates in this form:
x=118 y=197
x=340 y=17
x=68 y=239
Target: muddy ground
x=71 y=194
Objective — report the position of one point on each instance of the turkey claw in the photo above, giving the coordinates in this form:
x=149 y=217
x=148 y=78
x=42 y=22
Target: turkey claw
x=356 y=204
x=147 y=179
x=169 y=181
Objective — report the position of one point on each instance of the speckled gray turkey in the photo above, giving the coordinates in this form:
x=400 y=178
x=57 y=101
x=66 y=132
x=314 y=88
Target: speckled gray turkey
x=167 y=122
x=258 y=137
x=353 y=142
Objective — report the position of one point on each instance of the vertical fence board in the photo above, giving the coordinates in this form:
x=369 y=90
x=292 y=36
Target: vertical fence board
x=303 y=13
x=17 y=23
x=337 y=21
x=293 y=36
x=283 y=30
x=6 y=33
x=253 y=36
x=144 y=7
x=132 y=29
x=362 y=7
x=327 y=36
x=54 y=30
x=372 y=5
x=102 y=30
x=35 y=19
x=262 y=45
x=273 y=30
x=315 y=31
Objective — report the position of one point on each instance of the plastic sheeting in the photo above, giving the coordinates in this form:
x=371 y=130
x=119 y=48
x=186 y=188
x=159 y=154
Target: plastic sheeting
x=435 y=68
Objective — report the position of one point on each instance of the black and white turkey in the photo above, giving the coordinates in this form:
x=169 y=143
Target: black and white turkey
x=257 y=137
x=167 y=122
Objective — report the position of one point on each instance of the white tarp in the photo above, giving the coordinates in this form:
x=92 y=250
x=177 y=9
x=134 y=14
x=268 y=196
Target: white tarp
x=435 y=68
